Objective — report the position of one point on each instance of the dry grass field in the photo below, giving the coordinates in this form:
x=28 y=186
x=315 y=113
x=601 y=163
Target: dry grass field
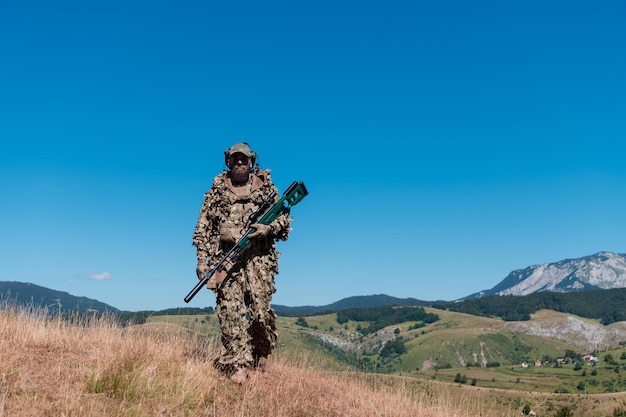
x=93 y=367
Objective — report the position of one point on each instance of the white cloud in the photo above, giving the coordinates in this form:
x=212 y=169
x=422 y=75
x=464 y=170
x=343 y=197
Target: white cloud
x=100 y=276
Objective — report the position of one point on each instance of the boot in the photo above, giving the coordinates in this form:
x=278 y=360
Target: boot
x=239 y=376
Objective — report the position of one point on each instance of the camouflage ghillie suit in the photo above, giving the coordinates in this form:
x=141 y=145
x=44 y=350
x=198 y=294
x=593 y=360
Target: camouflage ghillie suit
x=243 y=298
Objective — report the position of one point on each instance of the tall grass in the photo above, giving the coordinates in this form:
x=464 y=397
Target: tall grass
x=92 y=366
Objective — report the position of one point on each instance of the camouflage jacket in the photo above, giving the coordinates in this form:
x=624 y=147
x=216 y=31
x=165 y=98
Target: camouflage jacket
x=224 y=217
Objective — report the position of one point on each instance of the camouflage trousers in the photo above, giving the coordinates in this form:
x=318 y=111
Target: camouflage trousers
x=247 y=321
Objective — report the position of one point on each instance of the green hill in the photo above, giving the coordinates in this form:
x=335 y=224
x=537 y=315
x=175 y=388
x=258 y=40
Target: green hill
x=361 y=301
x=487 y=352
x=26 y=294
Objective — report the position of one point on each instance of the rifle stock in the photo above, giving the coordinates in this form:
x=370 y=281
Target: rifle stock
x=265 y=214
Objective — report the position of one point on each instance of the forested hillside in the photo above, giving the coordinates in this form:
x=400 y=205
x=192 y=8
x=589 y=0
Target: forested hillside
x=361 y=301
x=609 y=306
x=56 y=302
x=380 y=317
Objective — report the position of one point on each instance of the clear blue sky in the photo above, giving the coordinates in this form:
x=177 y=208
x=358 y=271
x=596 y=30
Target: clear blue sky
x=444 y=144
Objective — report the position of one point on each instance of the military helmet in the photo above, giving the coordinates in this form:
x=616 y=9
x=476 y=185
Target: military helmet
x=243 y=148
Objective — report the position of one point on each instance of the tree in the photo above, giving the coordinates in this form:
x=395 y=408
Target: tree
x=302 y=322
x=393 y=346
x=461 y=379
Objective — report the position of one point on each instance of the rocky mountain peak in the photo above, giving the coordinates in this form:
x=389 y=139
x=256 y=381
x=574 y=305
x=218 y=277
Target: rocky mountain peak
x=603 y=270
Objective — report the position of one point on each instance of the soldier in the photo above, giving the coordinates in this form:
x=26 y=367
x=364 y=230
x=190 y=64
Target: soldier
x=244 y=290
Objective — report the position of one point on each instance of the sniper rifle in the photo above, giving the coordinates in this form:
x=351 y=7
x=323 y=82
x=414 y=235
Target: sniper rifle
x=267 y=212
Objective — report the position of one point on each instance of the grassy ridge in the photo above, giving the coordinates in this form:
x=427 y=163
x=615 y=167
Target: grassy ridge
x=50 y=366
x=53 y=367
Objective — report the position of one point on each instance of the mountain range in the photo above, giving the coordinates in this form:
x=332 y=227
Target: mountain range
x=603 y=270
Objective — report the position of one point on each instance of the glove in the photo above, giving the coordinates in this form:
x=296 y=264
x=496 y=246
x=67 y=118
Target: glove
x=202 y=267
x=262 y=230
